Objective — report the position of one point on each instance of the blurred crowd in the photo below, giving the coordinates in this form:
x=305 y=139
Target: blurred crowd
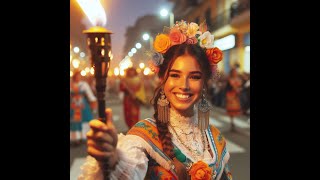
x=216 y=92
x=136 y=91
x=218 y=89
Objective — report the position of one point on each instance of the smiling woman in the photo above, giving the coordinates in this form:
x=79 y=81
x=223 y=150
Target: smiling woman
x=178 y=142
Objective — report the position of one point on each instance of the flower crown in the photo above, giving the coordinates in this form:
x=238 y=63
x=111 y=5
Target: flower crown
x=189 y=33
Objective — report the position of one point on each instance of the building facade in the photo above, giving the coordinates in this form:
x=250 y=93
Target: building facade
x=228 y=21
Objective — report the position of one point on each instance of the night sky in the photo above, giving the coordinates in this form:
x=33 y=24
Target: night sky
x=120 y=15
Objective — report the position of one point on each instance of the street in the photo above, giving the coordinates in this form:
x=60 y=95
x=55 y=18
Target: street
x=238 y=142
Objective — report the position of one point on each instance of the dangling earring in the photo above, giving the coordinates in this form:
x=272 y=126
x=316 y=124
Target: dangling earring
x=203 y=113
x=163 y=108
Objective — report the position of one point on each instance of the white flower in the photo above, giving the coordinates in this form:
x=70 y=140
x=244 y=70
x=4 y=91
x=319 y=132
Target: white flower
x=206 y=40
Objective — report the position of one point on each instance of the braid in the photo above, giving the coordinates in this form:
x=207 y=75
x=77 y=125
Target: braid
x=165 y=137
x=164 y=133
x=166 y=140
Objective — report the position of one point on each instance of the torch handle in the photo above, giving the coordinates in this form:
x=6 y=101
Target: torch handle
x=101 y=88
x=101 y=111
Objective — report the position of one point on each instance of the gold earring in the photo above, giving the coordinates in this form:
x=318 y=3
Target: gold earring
x=163 y=108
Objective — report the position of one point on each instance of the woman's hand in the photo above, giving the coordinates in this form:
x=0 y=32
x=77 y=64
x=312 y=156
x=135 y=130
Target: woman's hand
x=102 y=141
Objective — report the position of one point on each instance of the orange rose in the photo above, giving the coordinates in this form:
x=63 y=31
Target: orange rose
x=200 y=171
x=214 y=55
x=161 y=43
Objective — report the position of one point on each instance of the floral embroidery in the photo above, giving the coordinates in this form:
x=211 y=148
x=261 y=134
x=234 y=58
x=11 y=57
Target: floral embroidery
x=156 y=175
x=148 y=129
x=220 y=138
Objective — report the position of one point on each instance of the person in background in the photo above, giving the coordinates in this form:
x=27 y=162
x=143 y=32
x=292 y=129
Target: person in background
x=82 y=101
x=233 y=90
x=245 y=94
x=134 y=95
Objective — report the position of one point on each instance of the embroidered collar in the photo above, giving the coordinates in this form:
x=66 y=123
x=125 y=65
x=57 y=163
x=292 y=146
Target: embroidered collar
x=186 y=124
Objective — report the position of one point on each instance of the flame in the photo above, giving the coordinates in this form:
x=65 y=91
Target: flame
x=94 y=11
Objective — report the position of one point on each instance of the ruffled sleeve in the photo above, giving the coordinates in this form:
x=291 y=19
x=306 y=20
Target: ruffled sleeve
x=132 y=164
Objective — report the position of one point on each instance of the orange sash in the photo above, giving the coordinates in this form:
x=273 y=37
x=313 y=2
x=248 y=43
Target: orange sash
x=147 y=130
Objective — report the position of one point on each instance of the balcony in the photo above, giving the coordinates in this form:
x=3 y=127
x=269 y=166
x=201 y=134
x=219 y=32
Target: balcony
x=237 y=9
x=236 y=16
x=240 y=15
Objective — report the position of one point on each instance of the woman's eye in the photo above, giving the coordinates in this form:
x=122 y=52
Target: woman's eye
x=195 y=77
x=174 y=75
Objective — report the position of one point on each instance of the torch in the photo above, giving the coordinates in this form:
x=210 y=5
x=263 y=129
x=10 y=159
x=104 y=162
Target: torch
x=99 y=43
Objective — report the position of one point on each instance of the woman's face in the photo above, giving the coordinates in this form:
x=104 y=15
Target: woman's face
x=184 y=84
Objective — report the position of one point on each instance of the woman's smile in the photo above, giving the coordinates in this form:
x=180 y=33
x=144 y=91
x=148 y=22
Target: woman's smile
x=183 y=96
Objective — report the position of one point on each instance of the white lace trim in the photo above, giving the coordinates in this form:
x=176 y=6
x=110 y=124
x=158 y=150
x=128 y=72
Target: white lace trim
x=190 y=134
x=183 y=124
x=90 y=170
x=128 y=168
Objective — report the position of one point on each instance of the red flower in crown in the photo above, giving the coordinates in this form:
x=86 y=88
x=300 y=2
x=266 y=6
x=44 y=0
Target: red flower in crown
x=214 y=55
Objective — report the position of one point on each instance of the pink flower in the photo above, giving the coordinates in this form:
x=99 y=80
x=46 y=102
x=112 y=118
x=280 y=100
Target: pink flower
x=192 y=40
x=176 y=37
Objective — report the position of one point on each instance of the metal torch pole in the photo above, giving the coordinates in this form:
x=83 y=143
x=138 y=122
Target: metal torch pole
x=99 y=42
